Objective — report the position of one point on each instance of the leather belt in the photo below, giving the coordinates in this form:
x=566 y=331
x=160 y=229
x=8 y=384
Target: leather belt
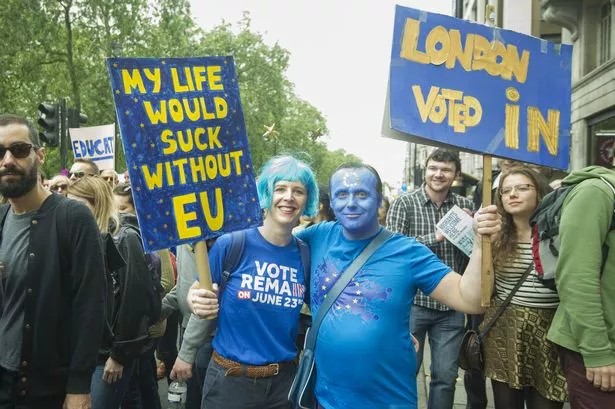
x=251 y=371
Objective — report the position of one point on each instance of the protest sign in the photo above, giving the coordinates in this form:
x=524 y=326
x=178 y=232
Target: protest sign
x=482 y=89
x=96 y=143
x=186 y=147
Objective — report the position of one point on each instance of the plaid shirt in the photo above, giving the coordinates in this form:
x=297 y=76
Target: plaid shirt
x=415 y=215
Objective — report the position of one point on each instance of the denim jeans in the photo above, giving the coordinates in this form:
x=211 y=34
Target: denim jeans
x=474 y=381
x=445 y=330
x=240 y=392
x=109 y=395
x=199 y=370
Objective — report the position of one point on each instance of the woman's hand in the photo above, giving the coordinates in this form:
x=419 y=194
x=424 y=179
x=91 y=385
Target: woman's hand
x=202 y=302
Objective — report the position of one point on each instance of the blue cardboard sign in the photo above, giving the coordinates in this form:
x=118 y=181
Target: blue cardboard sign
x=186 y=147
x=480 y=88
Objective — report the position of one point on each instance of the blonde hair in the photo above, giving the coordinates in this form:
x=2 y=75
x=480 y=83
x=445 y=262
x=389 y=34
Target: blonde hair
x=98 y=193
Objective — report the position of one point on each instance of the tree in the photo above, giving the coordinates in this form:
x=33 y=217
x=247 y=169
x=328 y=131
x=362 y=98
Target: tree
x=57 y=49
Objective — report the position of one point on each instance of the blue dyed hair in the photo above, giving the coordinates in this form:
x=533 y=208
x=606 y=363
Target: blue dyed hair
x=286 y=167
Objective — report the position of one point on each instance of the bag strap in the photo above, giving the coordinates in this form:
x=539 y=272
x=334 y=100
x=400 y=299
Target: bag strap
x=342 y=282
x=507 y=301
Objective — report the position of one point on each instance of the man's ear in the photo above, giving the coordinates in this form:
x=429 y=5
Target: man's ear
x=40 y=155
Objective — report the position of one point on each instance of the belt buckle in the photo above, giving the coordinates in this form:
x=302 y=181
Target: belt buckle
x=277 y=368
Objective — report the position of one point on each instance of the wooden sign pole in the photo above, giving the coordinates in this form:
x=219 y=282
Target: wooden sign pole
x=202 y=265
x=487 y=265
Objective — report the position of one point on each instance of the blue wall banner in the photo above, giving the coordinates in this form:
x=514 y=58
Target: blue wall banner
x=479 y=88
x=186 y=147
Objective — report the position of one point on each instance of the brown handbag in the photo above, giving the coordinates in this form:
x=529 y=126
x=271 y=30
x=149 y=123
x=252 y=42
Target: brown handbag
x=471 y=351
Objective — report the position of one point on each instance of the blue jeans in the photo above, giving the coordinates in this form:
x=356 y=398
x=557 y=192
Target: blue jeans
x=240 y=392
x=445 y=330
x=109 y=396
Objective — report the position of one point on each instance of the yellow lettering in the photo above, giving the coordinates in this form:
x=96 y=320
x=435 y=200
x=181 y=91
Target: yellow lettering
x=481 y=53
x=206 y=115
x=195 y=113
x=549 y=130
x=131 y=81
x=153 y=76
x=176 y=111
x=512 y=119
x=212 y=134
x=177 y=87
x=167 y=137
x=182 y=217
x=497 y=57
x=189 y=78
x=198 y=132
x=197 y=169
x=221 y=107
x=214 y=223
x=224 y=170
x=214 y=78
x=515 y=65
x=439 y=111
x=210 y=166
x=471 y=104
x=185 y=142
x=464 y=55
x=236 y=155
x=409 y=42
x=159 y=115
x=438 y=35
x=424 y=106
x=180 y=164
x=152 y=180
x=199 y=77
x=169 y=173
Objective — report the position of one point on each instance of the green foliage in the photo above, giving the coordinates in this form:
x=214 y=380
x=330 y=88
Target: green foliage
x=57 y=49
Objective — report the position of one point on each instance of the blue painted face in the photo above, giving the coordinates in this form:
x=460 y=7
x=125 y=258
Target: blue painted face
x=355 y=202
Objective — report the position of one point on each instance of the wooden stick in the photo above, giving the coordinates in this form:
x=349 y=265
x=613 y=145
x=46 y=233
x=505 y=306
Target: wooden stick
x=202 y=265
x=487 y=265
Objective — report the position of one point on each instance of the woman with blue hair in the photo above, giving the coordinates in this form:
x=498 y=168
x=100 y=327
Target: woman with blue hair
x=252 y=365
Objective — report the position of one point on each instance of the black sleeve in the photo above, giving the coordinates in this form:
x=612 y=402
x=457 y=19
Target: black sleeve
x=132 y=315
x=88 y=295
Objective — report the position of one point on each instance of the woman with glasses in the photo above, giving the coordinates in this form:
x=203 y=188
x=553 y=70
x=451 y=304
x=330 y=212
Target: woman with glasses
x=59 y=184
x=522 y=365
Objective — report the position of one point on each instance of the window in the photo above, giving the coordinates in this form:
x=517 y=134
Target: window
x=605 y=33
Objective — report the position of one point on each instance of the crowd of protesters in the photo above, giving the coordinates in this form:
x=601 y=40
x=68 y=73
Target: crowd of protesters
x=89 y=319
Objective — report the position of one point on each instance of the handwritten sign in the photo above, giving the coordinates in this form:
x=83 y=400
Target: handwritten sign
x=96 y=143
x=186 y=147
x=480 y=88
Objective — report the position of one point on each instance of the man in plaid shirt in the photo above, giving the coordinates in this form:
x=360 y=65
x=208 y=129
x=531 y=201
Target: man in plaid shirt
x=416 y=215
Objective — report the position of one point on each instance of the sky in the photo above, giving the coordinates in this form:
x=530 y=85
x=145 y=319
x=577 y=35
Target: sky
x=340 y=54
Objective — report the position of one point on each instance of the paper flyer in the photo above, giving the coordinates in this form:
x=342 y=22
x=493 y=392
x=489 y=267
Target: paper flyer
x=456 y=226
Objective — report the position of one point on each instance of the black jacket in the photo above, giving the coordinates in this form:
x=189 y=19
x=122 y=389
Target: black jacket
x=64 y=304
x=130 y=319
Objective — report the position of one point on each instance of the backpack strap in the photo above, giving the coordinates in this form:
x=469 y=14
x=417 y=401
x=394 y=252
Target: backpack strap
x=232 y=257
x=304 y=251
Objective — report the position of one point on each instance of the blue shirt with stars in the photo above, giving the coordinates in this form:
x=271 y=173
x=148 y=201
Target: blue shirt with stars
x=364 y=354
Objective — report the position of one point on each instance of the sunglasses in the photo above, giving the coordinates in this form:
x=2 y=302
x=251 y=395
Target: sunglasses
x=79 y=175
x=55 y=188
x=18 y=150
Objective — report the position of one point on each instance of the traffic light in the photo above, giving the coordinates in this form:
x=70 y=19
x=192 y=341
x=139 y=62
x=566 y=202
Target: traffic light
x=76 y=118
x=50 y=121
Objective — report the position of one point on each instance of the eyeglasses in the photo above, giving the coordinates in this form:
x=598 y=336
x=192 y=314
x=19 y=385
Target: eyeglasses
x=18 y=150
x=79 y=175
x=55 y=188
x=522 y=188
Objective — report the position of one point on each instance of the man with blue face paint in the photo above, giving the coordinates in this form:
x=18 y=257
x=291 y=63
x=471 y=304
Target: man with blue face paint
x=364 y=353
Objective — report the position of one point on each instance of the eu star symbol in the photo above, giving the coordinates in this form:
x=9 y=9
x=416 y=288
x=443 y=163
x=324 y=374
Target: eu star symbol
x=351 y=179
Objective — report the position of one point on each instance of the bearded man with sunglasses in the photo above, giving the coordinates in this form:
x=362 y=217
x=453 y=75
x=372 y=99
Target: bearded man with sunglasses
x=51 y=283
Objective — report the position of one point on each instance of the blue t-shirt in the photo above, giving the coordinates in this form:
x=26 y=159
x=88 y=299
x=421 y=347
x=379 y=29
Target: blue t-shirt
x=260 y=305
x=364 y=354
